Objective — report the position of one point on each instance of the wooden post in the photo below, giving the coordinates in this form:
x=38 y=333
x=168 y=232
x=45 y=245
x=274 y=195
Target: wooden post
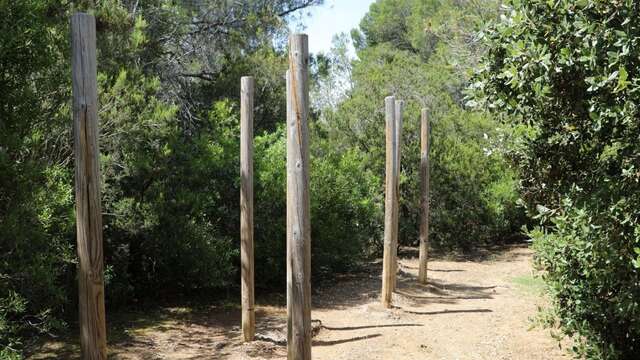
x=399 y=109
x=289 y=277
x=298 y=207
x=424 y=196
x=247 y=87
x=389 y=201
x=93 y=333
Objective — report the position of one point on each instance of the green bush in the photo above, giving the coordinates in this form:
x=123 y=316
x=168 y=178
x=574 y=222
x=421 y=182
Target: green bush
x=345 y=208
x=35 y=194
x=169 y=149
x=591 y=269
x=417 y=51
x=164 y=229
x=564 y=73
x=36 y=257
x=473 y=187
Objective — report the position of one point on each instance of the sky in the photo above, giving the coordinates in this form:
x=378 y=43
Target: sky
x=332 y=18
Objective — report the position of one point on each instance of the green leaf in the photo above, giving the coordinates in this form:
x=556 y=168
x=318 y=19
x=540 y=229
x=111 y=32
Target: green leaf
x=622 y=79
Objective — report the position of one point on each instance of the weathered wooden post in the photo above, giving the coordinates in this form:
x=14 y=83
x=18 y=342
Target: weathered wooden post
x=93 y=333
x=424 y=196
x=289 y=278
x=247 y=88
x=389 y=201
x=399 y=110
x=298 y=206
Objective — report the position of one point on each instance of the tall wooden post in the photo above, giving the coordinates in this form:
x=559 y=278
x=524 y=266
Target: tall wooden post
x=247 y=88
x=424 y=196
x=93 y=333
x=399 y=110
x=289 y=277
x=298 y=206
x=389 y=201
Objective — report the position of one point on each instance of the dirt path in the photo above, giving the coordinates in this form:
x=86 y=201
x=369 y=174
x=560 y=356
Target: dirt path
x=470 y=310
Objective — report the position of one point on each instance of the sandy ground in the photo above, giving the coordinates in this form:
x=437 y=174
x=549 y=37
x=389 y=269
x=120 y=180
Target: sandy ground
x=470 y=310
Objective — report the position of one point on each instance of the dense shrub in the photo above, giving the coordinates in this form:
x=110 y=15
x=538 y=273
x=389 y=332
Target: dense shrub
x=418 y=51
x=35 y=194
x=473 y=187
x=591 y=269
x=345 y=208
x=168 y=92
x=168 y=143
x=566 y=73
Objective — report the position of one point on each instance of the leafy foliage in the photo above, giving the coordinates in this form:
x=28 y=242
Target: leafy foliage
x=473 y=188
x=591 y=276
x=168 y=144
x=345 y=208
x=35 y=195
x=566 y=74
x=168 y=89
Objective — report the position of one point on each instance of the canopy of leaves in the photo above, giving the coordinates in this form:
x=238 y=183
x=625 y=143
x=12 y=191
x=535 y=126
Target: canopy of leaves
x=168 y=75
x=168 y=84
x=411 y=49
x=566 y=74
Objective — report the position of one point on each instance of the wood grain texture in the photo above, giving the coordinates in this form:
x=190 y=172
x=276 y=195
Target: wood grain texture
x=399 y=111
x=424 y=196
x=390 y=196
x=288 y=259
x=247 y=90
x=298 y=206
x=93 y=334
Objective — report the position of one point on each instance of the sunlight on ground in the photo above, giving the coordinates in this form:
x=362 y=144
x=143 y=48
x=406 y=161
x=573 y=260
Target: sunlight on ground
x=529 y=285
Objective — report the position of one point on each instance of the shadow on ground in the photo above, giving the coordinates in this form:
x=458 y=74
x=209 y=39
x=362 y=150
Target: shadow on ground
x=510 y=252
x=213 y=332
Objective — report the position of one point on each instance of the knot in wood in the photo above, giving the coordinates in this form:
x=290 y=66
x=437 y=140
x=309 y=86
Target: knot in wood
x=95 y=276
